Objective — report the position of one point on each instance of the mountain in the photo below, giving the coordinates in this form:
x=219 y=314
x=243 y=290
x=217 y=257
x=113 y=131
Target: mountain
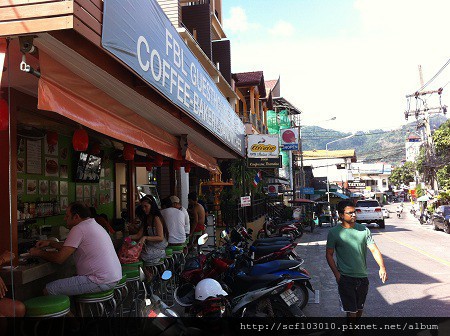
x=371 y=146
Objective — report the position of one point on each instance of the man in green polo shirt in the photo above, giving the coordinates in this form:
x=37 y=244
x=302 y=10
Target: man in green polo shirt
x=350 y=240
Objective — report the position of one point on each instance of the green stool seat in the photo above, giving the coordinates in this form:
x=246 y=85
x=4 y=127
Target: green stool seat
x=48 y=306
x=177 y=248
x=169 y=252
x=136 y=264
x=99 y=296
x=131 y=274
x=122 y=281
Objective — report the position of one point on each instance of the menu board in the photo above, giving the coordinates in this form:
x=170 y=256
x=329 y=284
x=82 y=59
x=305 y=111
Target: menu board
x=34 y=157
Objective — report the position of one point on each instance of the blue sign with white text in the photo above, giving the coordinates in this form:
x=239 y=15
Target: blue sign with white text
x=139 y=33
x=307 y=191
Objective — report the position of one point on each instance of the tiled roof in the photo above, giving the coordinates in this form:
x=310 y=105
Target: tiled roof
x=248 y=78
x=254 y=78
x=270 y=84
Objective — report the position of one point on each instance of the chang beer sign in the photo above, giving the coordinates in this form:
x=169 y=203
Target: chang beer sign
x=262 y=146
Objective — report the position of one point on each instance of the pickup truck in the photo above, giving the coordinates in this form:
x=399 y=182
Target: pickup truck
x=369 y=211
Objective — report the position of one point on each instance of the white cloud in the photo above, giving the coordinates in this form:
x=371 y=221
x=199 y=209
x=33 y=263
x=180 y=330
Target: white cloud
x=238 y=22
x=361 y=78
x=282 y=29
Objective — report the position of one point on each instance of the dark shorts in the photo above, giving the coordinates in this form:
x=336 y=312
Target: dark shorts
x=353 y=292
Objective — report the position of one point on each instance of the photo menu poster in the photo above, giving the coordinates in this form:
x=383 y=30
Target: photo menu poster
x=34 y=157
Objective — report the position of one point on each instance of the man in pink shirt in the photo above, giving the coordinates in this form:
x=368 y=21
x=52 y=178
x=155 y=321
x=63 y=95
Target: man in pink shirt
x=97 y=264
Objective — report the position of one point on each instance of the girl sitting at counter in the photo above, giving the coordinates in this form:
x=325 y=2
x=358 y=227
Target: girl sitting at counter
x=153 y=233
x=9 y=307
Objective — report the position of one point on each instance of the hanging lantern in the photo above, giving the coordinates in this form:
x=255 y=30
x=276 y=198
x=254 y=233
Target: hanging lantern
x=128 y=152
x=52 y=138
x=158 y=160
x=176 y=164
x=95 y=150
x=4 y=115
x=149 y=166
x=187 y=167
x=80 y=140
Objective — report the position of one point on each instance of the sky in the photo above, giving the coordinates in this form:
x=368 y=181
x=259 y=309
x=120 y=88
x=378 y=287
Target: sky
x=355 y=60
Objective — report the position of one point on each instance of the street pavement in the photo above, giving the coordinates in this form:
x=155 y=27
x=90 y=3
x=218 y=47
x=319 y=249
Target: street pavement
x=417 y=261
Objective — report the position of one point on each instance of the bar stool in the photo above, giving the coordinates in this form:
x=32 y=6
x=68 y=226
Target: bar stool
x=156 y=269
x=133 y=284
x=178 y=261
x=97 y=301
x=168 y=287
x=120 y=294
x=45 y=307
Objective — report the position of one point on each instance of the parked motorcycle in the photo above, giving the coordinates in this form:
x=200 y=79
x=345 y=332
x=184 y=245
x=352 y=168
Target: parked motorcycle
x=268 y=297
x=272 y=228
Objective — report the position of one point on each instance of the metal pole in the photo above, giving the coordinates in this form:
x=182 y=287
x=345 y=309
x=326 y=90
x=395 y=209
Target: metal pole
x=328 y=180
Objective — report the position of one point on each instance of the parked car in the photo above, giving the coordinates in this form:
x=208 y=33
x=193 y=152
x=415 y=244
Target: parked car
x=440 y=218
x=369 y=211
x=385 y=212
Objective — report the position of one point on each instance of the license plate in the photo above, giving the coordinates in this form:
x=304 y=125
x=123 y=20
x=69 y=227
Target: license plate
x=289 y=297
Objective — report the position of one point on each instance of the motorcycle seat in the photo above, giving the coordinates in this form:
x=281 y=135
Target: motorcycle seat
x=273 y=266
x=263 y=250
x=276 y=242
x=246 y=283
x=271 y=240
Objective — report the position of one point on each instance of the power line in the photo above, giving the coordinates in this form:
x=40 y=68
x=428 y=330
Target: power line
x=434 y=77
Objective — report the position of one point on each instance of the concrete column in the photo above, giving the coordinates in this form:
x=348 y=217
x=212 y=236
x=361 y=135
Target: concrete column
x=184 y=188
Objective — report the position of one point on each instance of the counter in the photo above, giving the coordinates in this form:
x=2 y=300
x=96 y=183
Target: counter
x=29 y=280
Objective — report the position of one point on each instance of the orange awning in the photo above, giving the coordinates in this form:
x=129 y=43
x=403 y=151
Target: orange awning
x=63 y=92
x=200 y=158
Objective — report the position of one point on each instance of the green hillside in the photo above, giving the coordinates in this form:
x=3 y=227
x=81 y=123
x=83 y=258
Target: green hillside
x=372 y=146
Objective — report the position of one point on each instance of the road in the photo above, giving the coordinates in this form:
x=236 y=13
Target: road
x=417 y=260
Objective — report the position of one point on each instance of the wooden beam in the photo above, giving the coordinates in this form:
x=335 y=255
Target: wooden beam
x=87 y=18
x=9 y=3
x=87 y=32
x=36 y=10
x=91 y=9
x=36 y=26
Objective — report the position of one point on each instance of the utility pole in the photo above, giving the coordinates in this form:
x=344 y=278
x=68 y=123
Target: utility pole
x=425 y=112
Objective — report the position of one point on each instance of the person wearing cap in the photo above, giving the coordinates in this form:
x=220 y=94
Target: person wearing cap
x=175 y=222
x=177 y=204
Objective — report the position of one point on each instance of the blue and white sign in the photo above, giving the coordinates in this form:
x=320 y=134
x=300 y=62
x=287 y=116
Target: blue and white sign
x=307 y=191
x=139 y=33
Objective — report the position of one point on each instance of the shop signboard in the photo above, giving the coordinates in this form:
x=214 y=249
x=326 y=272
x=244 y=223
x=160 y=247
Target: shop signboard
x=289 y=138
x=307 y=191
x=264 y=162
x=262 y=146
x=140 y=34
x=356 y=184
x=272 y=190
x=246 y=201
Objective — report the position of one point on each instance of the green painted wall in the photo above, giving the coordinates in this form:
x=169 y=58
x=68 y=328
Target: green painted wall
x=39 y=181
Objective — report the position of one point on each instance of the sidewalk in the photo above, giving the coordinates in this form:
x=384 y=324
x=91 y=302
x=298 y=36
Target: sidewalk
x=312 y=250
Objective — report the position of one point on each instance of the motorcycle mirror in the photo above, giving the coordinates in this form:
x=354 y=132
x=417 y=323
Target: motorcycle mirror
x=202 y=239
x=223 y=234
x=141 y=274
x=166 y=275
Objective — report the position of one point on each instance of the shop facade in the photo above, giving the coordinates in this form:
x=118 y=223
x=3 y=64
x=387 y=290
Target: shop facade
x=90 y=110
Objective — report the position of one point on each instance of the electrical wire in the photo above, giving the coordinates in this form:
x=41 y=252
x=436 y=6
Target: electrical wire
x=434 y=77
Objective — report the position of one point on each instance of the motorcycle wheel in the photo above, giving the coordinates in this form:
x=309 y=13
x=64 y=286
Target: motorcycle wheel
x=302 y=294
x=278 y=309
